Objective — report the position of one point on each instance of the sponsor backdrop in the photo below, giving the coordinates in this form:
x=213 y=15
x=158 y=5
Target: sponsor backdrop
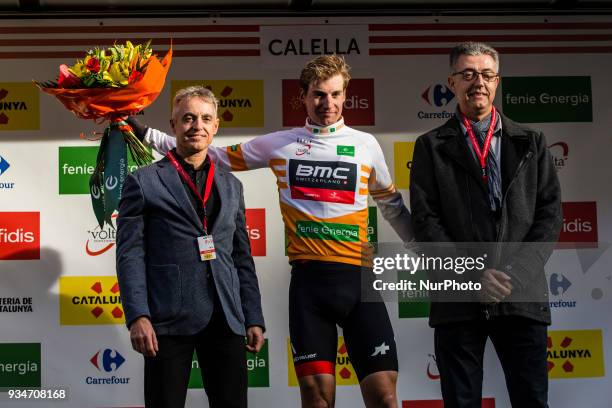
x=60 y=307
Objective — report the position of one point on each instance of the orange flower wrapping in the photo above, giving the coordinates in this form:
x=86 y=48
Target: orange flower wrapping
x=112 y=103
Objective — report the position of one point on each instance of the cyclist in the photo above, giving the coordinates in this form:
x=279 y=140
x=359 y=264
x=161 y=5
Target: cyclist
x=325 y=171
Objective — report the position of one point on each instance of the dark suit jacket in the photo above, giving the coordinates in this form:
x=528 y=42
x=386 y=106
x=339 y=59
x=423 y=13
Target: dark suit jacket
x=158 y=263
x=449 y=204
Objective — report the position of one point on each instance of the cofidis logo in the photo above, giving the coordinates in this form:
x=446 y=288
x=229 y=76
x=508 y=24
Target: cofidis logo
x=19 y=235
x=241 y=102
x=358 y=109
x=575 y=354
x=256 y=228
x=90 y=300
x=19 y=106
x=579 y=225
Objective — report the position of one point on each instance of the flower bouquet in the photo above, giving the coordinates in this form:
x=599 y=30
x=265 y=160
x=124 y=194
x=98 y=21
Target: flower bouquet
x=109 y=85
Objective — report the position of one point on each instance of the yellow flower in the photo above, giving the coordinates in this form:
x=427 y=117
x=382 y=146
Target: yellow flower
x=119 y=73
x=79 y=69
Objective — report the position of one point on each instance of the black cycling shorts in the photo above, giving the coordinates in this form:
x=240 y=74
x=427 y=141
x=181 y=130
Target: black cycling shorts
x=323 y=295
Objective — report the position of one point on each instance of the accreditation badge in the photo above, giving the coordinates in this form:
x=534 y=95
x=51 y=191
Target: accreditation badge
x=206 y=246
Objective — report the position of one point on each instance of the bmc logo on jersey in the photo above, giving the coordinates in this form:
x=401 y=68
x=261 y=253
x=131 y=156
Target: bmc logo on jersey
x=19 y=235
x=358 y=108
x=579 y=225
x=256 y=228
x=332 y=182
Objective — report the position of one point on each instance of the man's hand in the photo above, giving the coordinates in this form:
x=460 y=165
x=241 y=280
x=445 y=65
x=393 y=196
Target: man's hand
x=143 y=337
x=496 y=285
x=255 y=339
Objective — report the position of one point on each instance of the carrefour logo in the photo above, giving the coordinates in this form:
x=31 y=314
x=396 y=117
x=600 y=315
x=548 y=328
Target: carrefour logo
x=90 y=300
x=437 y=96
x=575 y=354
x=107 y=361
x=559 y=285
x=4 y=165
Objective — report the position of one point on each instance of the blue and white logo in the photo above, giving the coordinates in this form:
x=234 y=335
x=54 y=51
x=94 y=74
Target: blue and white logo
x=559 y=285
x=107 y=361
x=438 y=97
x=4 y=165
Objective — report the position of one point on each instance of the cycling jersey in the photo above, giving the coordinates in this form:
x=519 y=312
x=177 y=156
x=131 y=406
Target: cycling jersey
x=324 y=175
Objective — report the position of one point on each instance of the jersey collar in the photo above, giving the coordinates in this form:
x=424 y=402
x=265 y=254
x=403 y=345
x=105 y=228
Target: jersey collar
x=317 y=130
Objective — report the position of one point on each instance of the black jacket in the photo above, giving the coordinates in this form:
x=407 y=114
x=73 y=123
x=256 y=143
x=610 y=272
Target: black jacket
x=449 y=204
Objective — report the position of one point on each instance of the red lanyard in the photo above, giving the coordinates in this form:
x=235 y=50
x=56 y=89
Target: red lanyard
x=209 y=179
x=482 y=155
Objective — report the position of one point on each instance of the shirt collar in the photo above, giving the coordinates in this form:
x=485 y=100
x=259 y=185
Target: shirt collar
x=316 y=129
x=188 y=167
x=498 y=125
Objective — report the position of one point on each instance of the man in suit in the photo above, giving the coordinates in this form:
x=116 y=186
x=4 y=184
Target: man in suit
x=325 y=171
x=483 y=178
x=184 y=266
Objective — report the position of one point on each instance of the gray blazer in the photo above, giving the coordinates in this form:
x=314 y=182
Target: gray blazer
x=158 y=263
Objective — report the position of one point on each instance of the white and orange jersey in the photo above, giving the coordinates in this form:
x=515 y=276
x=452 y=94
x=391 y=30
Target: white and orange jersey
x=324 y=176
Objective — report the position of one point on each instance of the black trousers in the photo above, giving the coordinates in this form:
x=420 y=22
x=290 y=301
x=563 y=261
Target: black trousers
x=520 y=344
x=222 y=357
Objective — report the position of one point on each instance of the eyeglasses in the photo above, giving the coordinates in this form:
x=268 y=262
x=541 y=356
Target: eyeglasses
x=471 y=74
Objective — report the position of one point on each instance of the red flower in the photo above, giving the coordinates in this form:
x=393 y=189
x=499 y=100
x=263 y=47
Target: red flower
x=93 y=64
x=135 y=76
x=67 y=79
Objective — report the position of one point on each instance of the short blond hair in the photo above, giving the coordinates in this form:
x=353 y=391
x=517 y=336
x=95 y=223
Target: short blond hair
x=322 y=68
x=196 y=91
